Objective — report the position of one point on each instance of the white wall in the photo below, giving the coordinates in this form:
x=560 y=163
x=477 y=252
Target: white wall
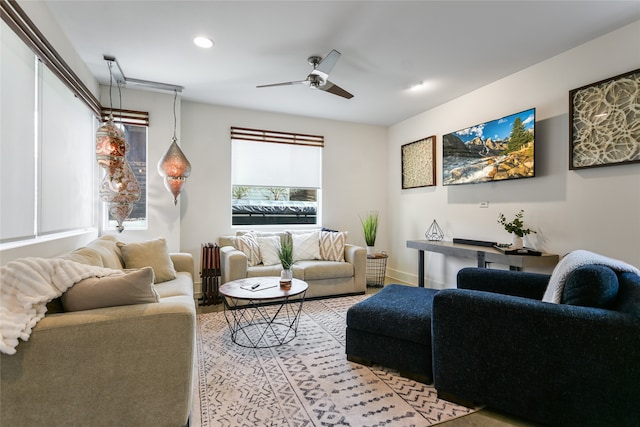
x=354 y=171
x=595 y=209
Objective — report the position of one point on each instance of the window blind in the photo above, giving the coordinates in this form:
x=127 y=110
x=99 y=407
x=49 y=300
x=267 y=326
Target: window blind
x=276 y=159
x=17 y=133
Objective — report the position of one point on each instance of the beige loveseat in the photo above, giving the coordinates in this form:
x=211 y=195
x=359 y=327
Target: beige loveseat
x=128 y=365
x=344 y=275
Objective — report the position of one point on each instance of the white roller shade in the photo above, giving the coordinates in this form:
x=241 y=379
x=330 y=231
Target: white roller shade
x=275 y=165
x=17 y=151
x=67 y=159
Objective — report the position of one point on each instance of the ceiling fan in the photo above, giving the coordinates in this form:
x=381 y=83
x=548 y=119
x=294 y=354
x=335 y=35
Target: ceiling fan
x=319 y=77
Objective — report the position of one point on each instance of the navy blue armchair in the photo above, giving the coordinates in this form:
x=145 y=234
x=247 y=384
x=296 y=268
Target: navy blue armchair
x=571 y=364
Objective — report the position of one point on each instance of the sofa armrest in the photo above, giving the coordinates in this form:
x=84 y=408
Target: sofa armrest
x=555 y=363
x=233 y=264
x=507 y=282
x=183 y=261
x=100 y=363
x=357 y=256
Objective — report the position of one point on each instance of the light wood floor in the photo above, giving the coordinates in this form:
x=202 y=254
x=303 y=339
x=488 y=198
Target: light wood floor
x=482 y=418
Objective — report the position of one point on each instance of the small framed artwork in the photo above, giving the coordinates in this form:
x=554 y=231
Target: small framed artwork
x=604 y=122
x=419 y=163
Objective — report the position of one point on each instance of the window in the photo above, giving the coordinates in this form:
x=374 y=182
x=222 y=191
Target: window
x=135 y=126
x=45 y=129
x=276 y=177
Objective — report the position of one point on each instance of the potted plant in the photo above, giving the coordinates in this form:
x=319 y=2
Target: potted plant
x=285 y=253
x=370 y=229
x=515 y=228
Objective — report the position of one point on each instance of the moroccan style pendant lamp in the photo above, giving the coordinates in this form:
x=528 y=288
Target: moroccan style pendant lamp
x=119 y=187
x=174 y=167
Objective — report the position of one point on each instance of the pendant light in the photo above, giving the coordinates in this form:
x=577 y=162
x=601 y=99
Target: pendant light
x=174 y=167
x=119 y=187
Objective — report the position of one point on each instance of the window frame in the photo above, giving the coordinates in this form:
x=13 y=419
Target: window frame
x=291 y=215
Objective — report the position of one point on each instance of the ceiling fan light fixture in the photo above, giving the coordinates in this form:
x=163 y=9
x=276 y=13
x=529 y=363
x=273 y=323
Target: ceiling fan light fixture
x=203 y=42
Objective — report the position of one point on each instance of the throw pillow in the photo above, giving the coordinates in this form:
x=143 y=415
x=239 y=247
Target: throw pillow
x=269 y=247
x=332 y=245
x=591 y=286
x=248 y=243
x=135 y=287
x=306 y=246
x=153 y=253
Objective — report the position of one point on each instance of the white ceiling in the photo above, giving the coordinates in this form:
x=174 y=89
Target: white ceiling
x=454 y=47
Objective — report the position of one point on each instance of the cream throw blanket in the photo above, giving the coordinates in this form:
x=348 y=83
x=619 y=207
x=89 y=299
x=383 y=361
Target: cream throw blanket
x=576 y=259
x=28 y=284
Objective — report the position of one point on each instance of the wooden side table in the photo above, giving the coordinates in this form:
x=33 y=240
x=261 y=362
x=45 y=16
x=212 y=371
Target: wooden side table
x=376 y=269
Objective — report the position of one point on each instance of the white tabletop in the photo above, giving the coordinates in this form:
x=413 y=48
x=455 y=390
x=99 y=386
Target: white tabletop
x=268 y=288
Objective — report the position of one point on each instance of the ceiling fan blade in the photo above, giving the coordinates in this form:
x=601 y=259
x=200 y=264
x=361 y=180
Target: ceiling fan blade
x=336 y=90
x=283 y=84
x=328 y=62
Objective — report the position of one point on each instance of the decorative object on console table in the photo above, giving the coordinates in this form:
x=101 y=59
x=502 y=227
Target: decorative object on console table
x=285 y=253
x=434 y=233
x=174 y=167
x=603 y=119
x=515 y=228
x=370 y=230
x=419 y=163
x=376 y=269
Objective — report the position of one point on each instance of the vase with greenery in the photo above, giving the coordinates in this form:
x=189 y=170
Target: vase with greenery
x=370 y=229
x=285 y=253
x=515 y=228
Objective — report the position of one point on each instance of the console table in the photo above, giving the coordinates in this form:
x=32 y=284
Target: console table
x=483 y=254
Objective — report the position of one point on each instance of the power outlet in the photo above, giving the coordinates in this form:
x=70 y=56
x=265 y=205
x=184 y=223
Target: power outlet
x=484 y=204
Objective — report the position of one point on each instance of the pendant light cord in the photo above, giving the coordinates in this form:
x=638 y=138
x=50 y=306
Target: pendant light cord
x=175 y=96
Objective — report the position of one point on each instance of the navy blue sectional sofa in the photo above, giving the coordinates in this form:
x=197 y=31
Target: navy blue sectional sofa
x=571 y=364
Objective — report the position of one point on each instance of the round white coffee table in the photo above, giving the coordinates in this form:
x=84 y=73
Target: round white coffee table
x=259 y=313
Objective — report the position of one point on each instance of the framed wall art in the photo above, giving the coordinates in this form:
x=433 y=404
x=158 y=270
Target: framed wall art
x=497 y=150
x=419 y=163
x=604 y=122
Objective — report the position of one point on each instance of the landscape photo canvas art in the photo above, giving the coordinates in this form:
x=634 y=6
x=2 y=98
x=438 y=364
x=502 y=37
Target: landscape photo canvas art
x=497 y=150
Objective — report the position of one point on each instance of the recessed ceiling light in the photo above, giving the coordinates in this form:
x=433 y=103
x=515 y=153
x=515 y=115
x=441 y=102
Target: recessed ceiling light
x=203 y=42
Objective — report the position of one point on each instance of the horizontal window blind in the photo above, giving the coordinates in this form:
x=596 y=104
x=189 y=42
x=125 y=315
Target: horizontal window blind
x=260 y=135
x=128 y=117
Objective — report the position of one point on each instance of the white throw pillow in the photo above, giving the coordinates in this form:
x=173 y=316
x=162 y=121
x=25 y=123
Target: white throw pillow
x=332 y=245
x=269 y=246
x=306 y=246
x=248 y=243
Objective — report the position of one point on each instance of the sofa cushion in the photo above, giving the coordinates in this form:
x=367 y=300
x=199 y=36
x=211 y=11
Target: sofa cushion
x=332 y=245
x=107 y=247
x=248 y=243
x=269 y=247
x=84 y=255
x=591 y=286
x=628 y=300
x=319 y=270
x=306 y=246
x=134 y=287
x=152 y=253
x=182 y=285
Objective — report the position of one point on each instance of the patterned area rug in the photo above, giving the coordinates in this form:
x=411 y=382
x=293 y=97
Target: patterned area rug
x=306 y=382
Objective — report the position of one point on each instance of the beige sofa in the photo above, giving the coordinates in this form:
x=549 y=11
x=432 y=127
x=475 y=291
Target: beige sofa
x=325 y=278
x=129 y=365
